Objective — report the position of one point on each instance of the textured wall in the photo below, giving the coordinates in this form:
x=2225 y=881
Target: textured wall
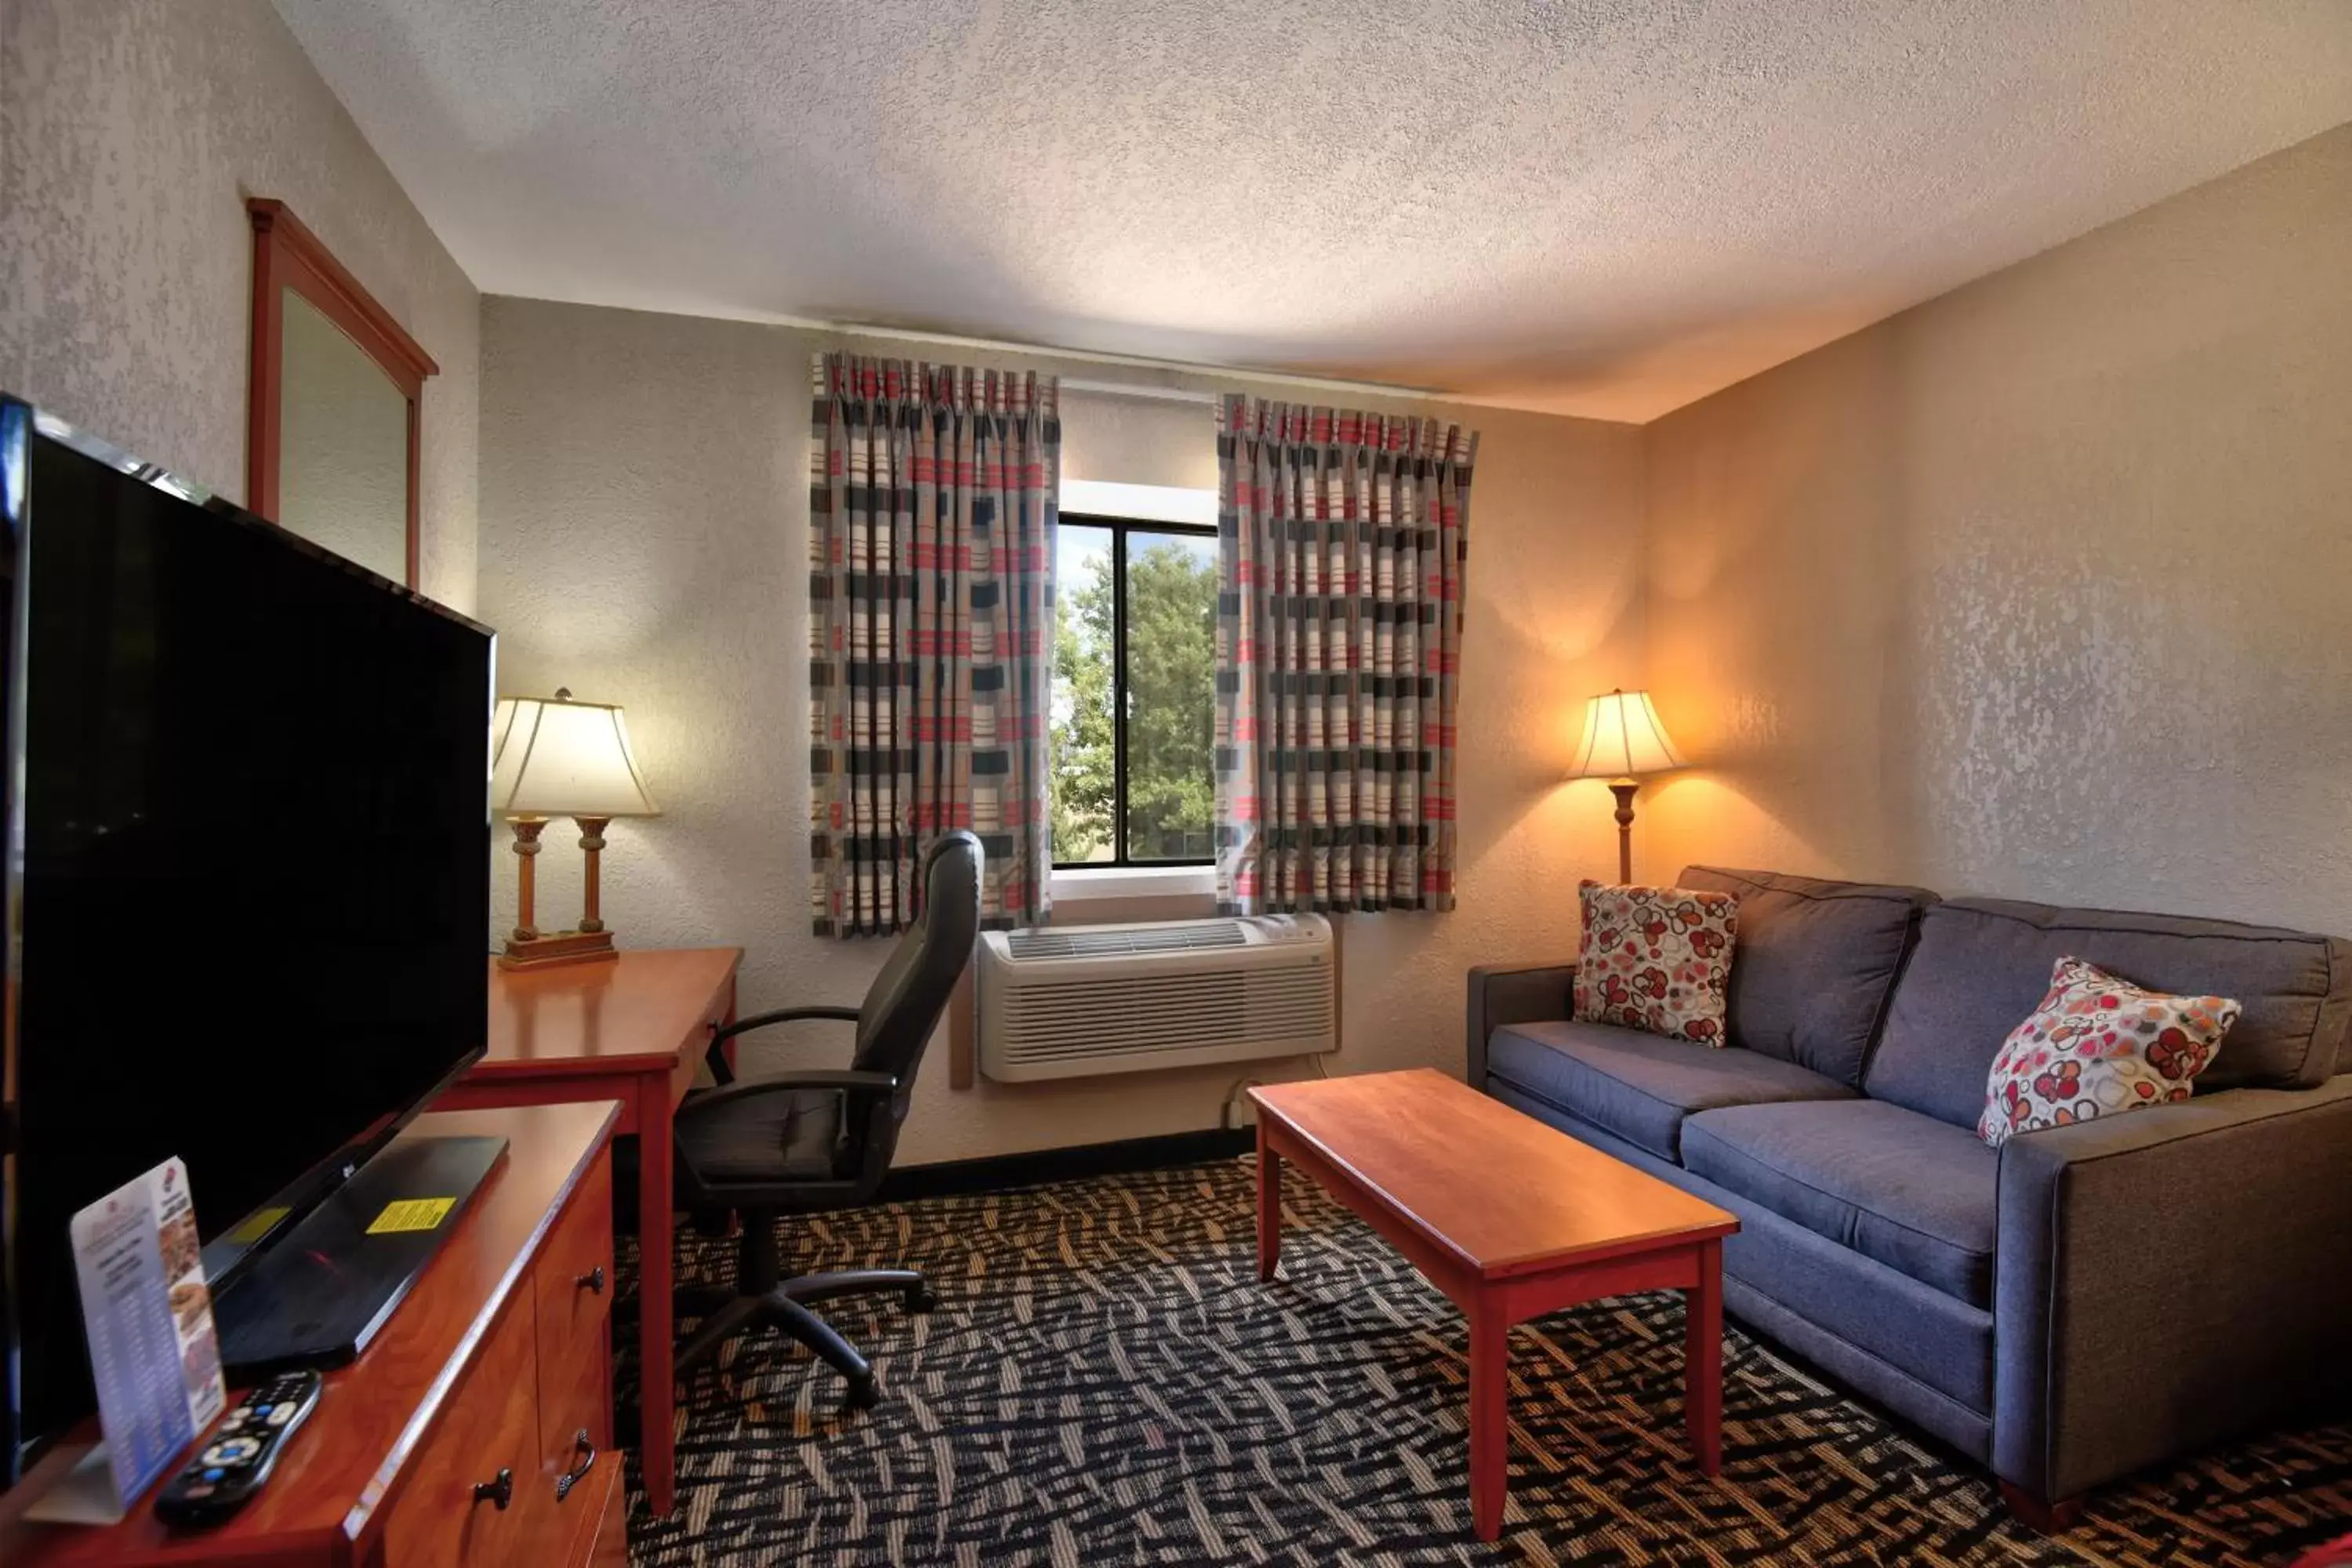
x=644 y=538
x=130 y=133
x=2041 y=588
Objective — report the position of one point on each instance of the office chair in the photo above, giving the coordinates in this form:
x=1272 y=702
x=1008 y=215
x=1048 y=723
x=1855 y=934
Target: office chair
x=823 y=1139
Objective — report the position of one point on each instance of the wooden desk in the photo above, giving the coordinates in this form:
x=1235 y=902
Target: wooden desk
x=499 y=1358
x=634 y=1030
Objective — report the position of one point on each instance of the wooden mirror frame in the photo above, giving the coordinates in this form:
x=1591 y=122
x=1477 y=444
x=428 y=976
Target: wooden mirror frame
x=286 y=255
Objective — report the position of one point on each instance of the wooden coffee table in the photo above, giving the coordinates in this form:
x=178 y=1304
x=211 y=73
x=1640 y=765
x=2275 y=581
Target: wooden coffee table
x=1510 y=1219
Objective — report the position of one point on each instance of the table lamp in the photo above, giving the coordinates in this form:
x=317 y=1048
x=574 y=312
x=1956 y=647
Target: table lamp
x=551 y=756
x=1622 y=738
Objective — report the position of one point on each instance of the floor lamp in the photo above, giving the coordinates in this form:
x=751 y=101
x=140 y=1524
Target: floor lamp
x=1623 y=741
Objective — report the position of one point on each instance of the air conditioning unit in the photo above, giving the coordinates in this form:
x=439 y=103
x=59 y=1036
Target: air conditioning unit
x=1079 y=1001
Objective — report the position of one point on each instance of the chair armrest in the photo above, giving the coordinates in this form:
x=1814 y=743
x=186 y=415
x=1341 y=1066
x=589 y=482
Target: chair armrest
x=1501 y=995
x=2169 y=1279
x=783 y=1015
x=715 y=1059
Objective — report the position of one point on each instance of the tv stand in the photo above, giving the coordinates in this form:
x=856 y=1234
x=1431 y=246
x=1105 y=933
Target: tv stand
x=497 y=1363
x=320 y=1293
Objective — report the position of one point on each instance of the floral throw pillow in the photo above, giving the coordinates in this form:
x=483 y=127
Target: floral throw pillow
x=1656 y=959
x=2098 y=1046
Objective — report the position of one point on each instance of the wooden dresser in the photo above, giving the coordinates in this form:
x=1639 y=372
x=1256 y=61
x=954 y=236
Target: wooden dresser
x=449 y=1443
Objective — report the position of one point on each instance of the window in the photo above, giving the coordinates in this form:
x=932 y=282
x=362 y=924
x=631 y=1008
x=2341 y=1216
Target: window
x=1134 y=705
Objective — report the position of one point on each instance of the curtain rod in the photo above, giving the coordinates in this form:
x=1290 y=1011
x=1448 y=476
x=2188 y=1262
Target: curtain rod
x=1132 y=389
x=1093 y=356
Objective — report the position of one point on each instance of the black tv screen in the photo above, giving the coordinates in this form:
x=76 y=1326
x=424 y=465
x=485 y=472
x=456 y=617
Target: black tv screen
x=249 y=921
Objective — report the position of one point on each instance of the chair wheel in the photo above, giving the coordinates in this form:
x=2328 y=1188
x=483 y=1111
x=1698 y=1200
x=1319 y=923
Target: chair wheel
x=921 y=1299
x=863 y=1394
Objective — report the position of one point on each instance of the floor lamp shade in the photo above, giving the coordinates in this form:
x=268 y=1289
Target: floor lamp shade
x=1624 y=740
x=551 y=756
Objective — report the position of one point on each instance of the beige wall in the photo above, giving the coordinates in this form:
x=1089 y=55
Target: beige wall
x=130 y=133
x=2043 y=588
x=645 y=523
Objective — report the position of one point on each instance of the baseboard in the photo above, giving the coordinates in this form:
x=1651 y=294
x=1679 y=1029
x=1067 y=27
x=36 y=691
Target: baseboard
x=1037 y=1166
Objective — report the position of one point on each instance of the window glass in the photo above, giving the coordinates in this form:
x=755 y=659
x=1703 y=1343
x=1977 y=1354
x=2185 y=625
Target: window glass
x=1134 y=702
x=1170 y=685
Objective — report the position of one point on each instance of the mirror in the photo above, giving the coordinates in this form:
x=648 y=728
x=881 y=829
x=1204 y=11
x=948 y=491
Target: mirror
x=333 y=439
x=343 y=456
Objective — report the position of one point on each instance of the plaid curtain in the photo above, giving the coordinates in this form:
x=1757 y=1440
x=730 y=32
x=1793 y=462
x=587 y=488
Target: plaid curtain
x=1342 y=538
x=932 y=512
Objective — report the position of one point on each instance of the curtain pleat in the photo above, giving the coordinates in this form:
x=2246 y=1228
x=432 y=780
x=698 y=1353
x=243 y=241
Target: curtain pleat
x=1342 y=541
x=932 y=501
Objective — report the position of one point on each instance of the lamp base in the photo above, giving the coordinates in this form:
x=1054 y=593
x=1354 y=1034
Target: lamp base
x=558 y=947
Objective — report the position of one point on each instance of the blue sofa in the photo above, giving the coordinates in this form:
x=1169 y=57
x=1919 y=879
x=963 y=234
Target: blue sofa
x=2078 y=1304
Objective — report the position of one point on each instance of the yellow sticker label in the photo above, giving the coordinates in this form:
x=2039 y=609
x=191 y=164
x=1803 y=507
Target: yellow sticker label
x=412 y=1214
x=259 y=1224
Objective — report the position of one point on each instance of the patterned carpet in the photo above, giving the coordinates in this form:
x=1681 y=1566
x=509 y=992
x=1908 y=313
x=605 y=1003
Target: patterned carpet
x=1107 y=1382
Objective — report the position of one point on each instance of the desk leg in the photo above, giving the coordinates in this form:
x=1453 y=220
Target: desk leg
x=1702 y=1360
x=1490 y=1416
x=656 y=1246
x=1269 y=1204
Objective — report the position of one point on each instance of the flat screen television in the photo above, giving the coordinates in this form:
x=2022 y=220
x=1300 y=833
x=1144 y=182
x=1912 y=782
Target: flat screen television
x=247 y=877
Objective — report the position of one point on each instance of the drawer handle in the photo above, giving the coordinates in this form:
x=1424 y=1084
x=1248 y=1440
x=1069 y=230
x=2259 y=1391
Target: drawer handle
x=499 y=1491
x=592 y=1281
x=579 y=1472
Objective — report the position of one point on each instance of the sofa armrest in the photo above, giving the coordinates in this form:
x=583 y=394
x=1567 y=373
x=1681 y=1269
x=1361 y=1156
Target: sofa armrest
x=1503 y=995
x=2169 y=1279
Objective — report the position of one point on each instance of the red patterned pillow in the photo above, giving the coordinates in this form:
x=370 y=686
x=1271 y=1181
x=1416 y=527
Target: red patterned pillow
x=2098 y=1046
x=1656 y=959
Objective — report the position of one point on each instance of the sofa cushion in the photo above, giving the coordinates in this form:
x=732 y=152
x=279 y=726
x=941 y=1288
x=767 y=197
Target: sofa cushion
x=2099 y=1046
x=1905 y=1189
x=1638 y=1086
x=1815 y=964
x=1655 y=959
x=1981 y=965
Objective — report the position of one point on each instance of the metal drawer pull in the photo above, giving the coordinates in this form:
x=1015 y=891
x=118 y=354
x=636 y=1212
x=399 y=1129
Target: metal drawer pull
x=592 y=1281
x=499 y=1491
x=579 y=1472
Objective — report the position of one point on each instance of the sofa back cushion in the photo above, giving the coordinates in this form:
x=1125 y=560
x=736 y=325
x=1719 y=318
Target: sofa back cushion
x=1981 y=965
x=1814 y=965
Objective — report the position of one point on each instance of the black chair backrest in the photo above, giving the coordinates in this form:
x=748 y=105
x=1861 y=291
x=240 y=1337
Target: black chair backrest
x=904 y=1003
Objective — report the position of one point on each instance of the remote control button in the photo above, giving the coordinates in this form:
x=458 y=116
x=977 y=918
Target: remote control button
x=214 y=1473
x=232 y=1451
x=282 y=1415
x=196 y=1492
x=261 y=1412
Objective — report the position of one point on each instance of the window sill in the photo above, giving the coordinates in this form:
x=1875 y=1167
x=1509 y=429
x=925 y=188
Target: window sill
x=1134 y=882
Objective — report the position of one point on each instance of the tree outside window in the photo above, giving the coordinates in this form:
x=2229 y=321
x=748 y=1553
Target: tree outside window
x=1134 y=703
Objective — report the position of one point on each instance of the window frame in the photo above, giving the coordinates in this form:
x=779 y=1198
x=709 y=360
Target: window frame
x=1119 y=528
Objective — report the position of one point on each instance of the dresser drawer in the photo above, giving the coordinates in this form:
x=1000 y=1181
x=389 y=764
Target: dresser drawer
x=573 y=1283
x=489 y=1426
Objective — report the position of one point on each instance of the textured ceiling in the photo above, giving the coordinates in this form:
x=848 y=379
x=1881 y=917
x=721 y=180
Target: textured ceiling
x=1606 y=207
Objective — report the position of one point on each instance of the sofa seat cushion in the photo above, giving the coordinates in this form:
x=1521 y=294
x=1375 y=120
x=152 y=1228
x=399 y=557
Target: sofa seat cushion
x=1918 y=1195
x=1641 y=1087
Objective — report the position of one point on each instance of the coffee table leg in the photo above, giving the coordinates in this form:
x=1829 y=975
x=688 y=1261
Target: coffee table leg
x=1490 y=1419
x=1702 y=1360
x=1269 y=1205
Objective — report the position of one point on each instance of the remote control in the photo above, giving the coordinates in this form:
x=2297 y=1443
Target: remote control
x=236 y=1459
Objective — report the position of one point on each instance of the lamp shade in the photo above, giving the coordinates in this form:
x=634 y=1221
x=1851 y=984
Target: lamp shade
x=553 y=757
x=1622 y=738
